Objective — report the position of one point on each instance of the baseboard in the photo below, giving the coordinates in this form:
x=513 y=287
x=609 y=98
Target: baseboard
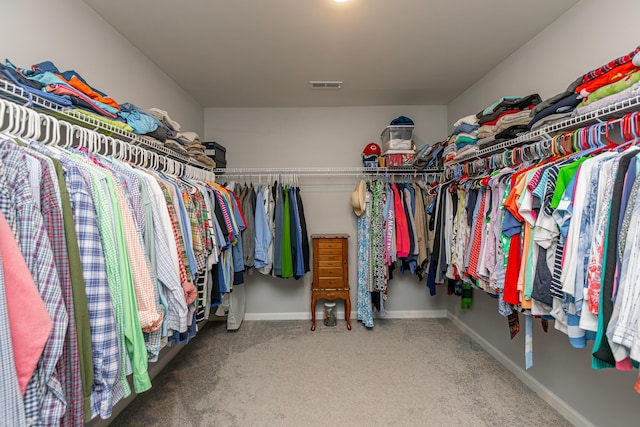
x=415 y=314
x=393 y=314
x=547 y=395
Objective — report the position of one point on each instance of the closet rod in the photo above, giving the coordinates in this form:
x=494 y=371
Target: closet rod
x=346 y=171
x=16 y=94
x=592 y=117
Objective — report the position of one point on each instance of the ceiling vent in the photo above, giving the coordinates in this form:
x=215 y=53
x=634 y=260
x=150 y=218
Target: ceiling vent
x=325 y=84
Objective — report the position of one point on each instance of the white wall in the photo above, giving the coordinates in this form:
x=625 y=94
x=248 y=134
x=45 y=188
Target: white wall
x=574 y=44
x=71 y=35
x=318 y=137
x=588 y=35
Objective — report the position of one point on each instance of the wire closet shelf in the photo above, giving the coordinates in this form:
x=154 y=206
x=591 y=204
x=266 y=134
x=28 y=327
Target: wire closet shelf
x=16 y=94
x=615 y=110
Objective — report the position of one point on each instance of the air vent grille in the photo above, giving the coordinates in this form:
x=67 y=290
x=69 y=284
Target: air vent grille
x=325 y=84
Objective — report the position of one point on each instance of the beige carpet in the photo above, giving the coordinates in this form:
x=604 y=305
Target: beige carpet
x=401 y=373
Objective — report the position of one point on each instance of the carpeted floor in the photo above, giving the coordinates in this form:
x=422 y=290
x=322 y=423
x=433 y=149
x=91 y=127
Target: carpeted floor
x=422 y=372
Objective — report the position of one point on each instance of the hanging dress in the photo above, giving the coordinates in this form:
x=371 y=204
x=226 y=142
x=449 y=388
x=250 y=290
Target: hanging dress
x=364 y=312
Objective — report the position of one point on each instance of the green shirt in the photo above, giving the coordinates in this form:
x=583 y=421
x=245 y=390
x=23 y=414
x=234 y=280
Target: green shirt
x=78 y=290
x=120 y=282
x=287 y=257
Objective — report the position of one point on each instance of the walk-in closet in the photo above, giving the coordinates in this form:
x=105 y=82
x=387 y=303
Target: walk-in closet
x=320 y=212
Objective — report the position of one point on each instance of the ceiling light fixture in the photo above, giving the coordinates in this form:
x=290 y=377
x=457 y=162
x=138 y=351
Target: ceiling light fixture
x=325 y=84
x=340 y=1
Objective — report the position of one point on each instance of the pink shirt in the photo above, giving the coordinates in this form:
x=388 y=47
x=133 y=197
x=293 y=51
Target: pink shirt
x=29 y=320
x=403 y=244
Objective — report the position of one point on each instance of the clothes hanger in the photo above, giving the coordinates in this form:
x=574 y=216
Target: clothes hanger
x=11 y=119
x=45 y=130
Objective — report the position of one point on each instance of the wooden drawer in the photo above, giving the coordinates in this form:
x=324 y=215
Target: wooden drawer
x=329 y=251
x=330 y=271
x=333 y=244
x=332 y=258
x=329 y=283
x=324 y=263
x=329 y=295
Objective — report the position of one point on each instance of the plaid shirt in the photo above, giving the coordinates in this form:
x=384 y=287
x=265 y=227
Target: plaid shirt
x=69 y=364
x=42 y=400
x=184 y=274
x=132 y=187
x=183 y=259
x=591 y=75
x=183 y=223
x=197 y=234
x=200 y=199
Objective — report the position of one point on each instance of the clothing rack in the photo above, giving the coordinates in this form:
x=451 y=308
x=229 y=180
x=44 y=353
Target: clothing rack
x=17 y=95
x=23 y=122
x=433 y=174
x=491 y=159
x=598 y=116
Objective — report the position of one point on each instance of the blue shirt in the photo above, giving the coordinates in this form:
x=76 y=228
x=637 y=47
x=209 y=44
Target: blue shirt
x=298 y=268
x=263 y=232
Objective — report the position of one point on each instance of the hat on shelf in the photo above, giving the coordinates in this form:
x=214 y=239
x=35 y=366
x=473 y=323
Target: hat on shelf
x=372 y=149
x=401 y=120
x=358 y=198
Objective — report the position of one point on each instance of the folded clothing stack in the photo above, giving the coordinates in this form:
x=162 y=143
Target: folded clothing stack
x=507 y=116
x=611 y=93
x=613 y=82
x=164 y=118
x=429 y=156
x=65 y=88
x=547 y=112
x=463 y=139
x=449 y=152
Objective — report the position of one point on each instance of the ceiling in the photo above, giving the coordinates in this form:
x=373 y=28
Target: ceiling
x=263 y=53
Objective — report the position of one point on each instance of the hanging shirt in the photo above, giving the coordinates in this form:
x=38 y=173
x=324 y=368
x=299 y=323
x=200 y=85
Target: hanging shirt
x=287 y=258
x=262 y=232
x=278 y=231
x=72 y=359
x=299 y=268
x=167 y=260
x=11 y=404
x=42 y=397
x=403 y=245
x=27 y=319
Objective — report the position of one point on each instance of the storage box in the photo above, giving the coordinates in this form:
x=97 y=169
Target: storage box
x=399 y=160
x=370 y=163
x=217 y=153
x=396 y=132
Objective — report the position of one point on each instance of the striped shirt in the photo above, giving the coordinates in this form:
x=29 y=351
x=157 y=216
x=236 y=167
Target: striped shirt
x=591 y=75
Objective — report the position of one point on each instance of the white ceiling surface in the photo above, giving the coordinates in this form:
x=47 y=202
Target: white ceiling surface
x=262 y=53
